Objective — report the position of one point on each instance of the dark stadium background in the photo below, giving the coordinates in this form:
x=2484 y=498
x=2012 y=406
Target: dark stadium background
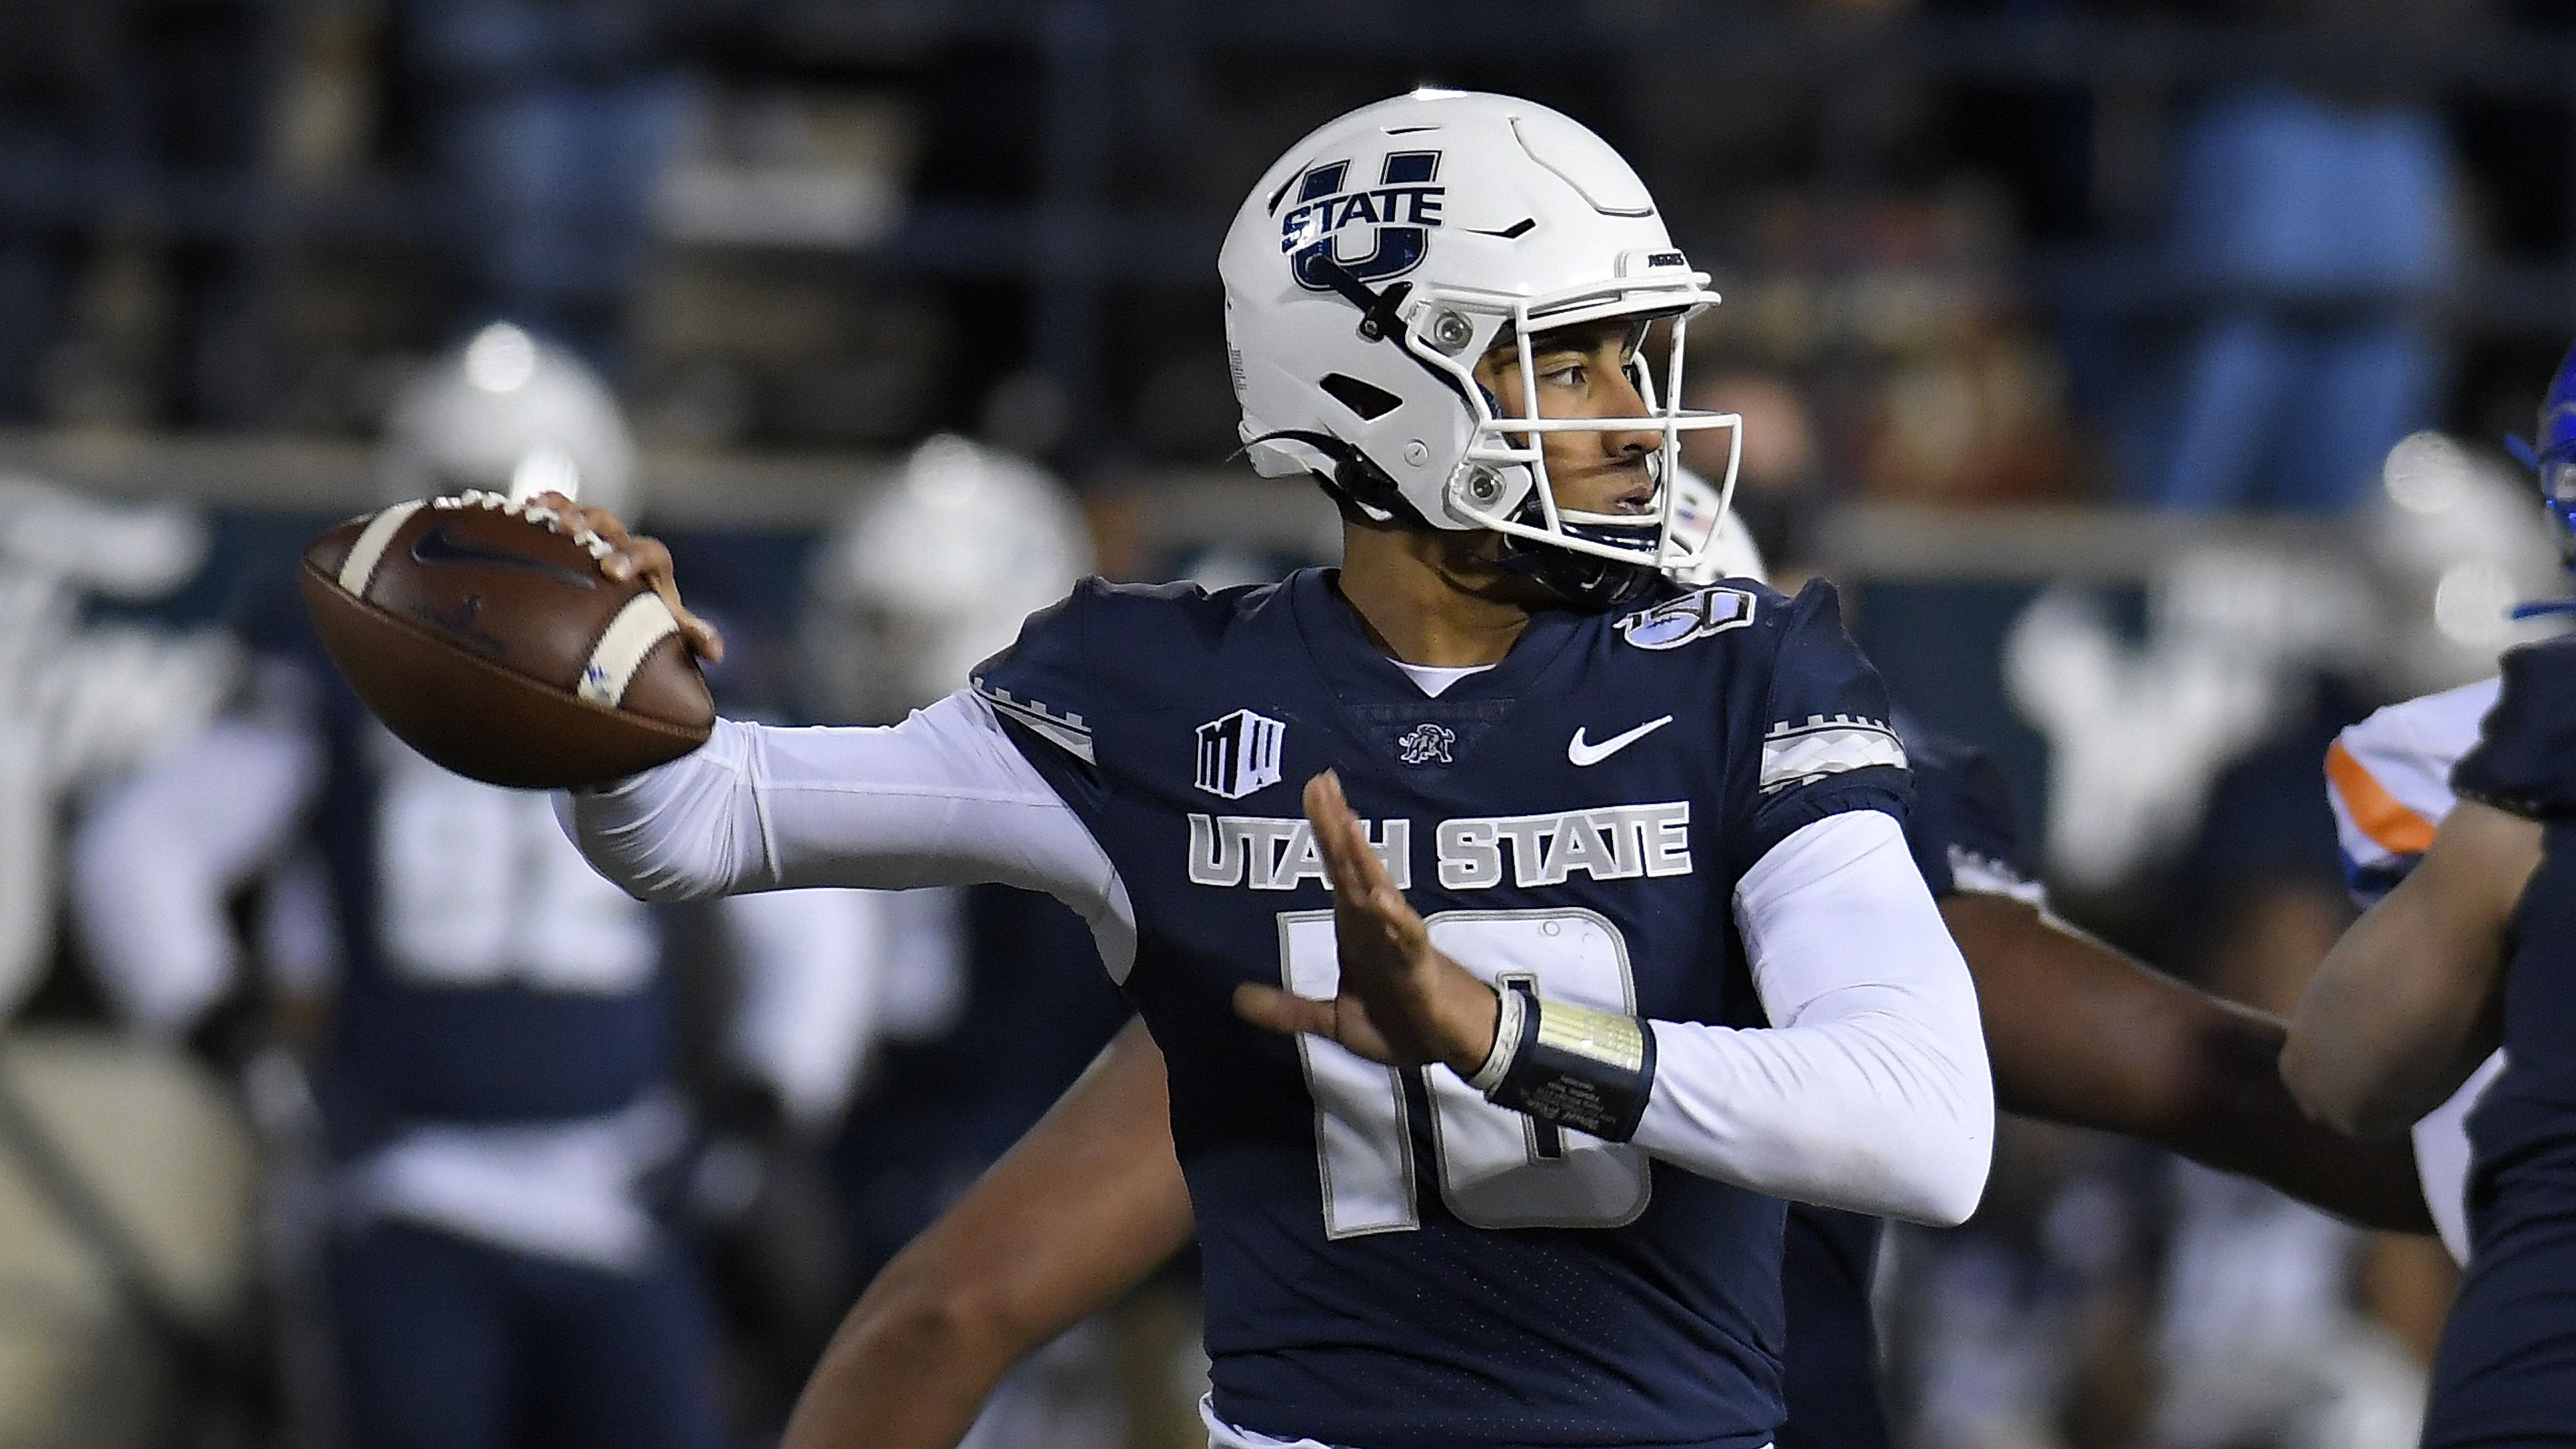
x=1977 y=255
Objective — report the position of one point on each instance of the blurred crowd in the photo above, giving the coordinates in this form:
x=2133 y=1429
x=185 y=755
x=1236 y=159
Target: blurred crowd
x=340 y=1093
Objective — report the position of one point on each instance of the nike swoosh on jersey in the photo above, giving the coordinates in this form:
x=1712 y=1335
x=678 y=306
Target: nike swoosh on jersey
x=434 y=546
x=1589 y=754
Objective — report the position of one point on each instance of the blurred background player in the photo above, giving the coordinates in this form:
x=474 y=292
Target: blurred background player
x=994 y=999
x=494 y=1028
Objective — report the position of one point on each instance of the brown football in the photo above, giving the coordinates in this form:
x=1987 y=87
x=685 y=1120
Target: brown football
x=495 y=646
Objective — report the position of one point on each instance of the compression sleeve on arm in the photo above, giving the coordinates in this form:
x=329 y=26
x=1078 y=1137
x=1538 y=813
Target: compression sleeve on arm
x=1871 y=1092
x=944 y=798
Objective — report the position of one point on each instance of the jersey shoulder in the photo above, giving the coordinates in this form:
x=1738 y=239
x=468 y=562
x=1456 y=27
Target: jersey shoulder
x=2525 y=757
x=1785 y=674
x=2388 y=781
x=1103 y=646
x=1961 y=827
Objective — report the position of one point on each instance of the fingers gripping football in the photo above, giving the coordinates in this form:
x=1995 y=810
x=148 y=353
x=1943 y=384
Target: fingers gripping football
x=630 y=556
x=1399 y=1000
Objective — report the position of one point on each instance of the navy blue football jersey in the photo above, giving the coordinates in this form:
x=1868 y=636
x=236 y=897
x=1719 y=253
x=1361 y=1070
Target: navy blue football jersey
x=488 y=974
x=1391 y=1260
x=1961 y=823
x=2506 y=1372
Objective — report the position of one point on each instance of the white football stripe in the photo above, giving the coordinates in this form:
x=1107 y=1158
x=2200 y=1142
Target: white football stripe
x=1831 y=750
x=359 y=569
x=643 y=623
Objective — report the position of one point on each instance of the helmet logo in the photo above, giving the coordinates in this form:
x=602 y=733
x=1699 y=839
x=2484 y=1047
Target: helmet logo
x=1401 y=210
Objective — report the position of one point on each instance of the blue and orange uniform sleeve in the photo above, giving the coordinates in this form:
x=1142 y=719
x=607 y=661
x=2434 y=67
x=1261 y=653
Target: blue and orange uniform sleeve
x=2388 y=780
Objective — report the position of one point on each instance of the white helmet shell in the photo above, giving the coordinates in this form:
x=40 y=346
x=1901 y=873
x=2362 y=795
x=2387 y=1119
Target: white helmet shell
x=932 y=573
x=1721 y=546
x=510 y=414
x=1386 y=253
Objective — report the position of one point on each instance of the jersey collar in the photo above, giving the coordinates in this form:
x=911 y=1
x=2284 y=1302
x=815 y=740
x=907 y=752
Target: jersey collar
x=1358 y=673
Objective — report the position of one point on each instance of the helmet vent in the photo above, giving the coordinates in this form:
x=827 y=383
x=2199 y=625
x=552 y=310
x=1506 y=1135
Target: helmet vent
x=1366 y=399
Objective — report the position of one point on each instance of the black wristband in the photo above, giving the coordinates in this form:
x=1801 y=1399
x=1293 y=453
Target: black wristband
x=1580 y=1067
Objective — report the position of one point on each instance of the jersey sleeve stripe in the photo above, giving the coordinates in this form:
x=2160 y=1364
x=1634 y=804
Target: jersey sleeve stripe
x=2387 y=823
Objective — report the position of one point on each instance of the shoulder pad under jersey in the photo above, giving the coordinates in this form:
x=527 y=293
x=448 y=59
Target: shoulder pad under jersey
x=2525 y=758
x=1961 y=826
x=1099 y=643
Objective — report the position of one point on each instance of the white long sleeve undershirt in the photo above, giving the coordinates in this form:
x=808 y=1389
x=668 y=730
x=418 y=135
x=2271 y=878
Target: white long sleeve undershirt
x=1871 y=1093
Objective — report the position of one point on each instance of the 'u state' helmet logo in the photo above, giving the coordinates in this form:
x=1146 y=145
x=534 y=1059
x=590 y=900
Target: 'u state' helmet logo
x=1399 y=212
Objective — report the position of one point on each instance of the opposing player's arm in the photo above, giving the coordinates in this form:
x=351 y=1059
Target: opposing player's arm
x=2083 y=1035
x=2409 y=1001
x=1086 y=1207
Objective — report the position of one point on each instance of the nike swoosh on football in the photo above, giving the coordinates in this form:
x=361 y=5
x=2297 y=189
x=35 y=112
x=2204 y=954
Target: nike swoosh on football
x=436 y=547
x=1588 y=754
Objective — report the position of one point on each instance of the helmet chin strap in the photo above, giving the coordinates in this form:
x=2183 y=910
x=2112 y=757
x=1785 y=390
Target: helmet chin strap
x=1584 y=581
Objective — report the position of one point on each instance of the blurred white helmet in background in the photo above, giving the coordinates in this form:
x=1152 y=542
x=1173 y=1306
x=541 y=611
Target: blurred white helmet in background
x=1720 y=546
x=932 y=573
x=508 y=413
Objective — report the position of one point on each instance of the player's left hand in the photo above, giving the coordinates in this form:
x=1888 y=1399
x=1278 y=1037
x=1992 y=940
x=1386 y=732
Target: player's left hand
x=1401 y=1001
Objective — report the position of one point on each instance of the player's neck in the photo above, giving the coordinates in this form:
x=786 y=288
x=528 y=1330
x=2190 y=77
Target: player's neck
x=1412 y=593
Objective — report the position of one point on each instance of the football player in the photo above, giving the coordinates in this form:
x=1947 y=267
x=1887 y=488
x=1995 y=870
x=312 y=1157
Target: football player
x=2455 y=808
x=1092 y=1201
x=497 y=1084
x=1518 y=929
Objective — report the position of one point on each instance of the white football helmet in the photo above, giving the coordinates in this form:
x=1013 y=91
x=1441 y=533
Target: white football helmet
x=932 y=573
x=1721 y=547
x=510 y=414
x=1389 y=251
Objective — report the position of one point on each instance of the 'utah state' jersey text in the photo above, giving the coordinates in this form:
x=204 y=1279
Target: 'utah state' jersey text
x=1391 y=1260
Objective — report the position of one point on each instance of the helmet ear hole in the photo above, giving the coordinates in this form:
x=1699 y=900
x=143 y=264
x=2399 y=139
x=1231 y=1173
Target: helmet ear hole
x=1368 y=400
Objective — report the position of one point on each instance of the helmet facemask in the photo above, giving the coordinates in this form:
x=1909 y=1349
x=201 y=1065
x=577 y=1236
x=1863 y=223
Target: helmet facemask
x=1502 y=482
x=2557 y=468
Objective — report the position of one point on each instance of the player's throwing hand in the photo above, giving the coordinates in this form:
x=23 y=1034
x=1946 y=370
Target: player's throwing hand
x=631 y=555
x=1400 y=1000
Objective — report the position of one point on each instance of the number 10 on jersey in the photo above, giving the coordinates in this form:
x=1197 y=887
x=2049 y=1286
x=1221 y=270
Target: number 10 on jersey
x=1494 y=1168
